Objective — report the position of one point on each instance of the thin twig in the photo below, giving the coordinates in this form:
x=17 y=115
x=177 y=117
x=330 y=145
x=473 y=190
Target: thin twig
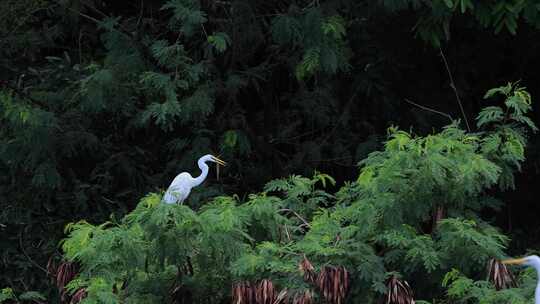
x=430 y=110
x=277 y=140
x=122 y=31
x=85 y=16
x=453 y=86
x=141 y=13
x=96 y=10
x=297 y=215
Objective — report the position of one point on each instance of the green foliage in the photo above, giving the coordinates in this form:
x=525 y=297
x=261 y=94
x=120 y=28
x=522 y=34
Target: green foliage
x=382 y=224
x=146 y=247
x=187 y=16
x=220 y=41
x=7 y=294
x=507 y=145
x=437 y=16
x=101 y=102
x=322 y=38
x=463 y=290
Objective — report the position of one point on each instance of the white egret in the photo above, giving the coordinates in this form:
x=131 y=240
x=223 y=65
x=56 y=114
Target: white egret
x=533 y=261
x=181 y=186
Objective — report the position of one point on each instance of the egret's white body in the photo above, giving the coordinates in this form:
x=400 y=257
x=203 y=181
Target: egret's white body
x=533 y=261
x=182 y=184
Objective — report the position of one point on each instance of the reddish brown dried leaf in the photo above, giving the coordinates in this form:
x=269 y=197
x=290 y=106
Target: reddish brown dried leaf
x=78 y=296
x=307 y=270
x=65 y=272
x=333 y=284
x=244 y=293
x=499 y=275
x=399 y=292
x=305 y=297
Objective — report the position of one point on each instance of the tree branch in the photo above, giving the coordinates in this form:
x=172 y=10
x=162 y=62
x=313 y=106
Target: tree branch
x=453 y=86
x=429 y=109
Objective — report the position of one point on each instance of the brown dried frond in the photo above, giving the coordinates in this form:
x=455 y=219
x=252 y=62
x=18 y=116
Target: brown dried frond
x=265 y=292
x=78 y=296
x=243 y=293
x=499 y=275
x=282 y=297
x=305 y=297
x=399 y=292
x=65 y=272
x=307 y=270
x=333 y=284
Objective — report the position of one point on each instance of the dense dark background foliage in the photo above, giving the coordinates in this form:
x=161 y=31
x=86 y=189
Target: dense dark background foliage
x=104 y=101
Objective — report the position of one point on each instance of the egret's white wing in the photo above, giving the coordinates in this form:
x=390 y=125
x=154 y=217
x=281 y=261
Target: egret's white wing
x=179 y=189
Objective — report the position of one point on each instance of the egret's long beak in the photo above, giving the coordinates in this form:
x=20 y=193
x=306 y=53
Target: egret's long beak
x=514 y=261
x=219 y=161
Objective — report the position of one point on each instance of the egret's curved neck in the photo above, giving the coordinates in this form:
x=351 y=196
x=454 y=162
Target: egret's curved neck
x=204 y=172
x=537 y=292
x=536 y=265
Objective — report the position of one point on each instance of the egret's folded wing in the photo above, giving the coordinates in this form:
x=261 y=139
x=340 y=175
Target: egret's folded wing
x=172 y=195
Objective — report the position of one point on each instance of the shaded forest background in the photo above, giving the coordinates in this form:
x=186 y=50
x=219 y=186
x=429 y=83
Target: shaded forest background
x=104 y=101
